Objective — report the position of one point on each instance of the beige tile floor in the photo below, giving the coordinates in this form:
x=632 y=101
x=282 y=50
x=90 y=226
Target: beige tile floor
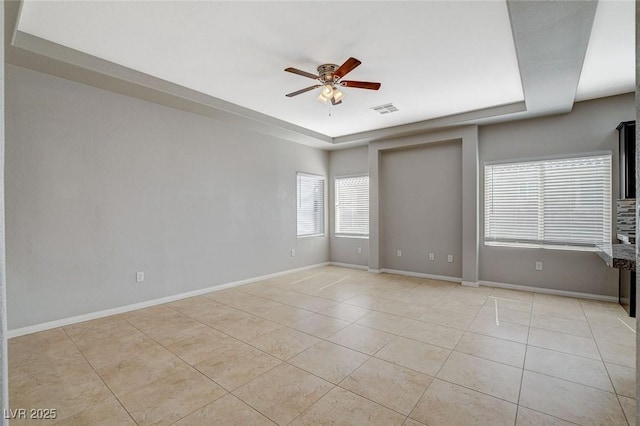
x=337 y=346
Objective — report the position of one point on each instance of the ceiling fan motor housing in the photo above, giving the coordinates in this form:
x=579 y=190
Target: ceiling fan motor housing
x=326 y=71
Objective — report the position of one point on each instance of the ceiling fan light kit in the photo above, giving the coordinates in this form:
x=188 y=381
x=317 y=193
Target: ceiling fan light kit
x=326 y=93
x=330 y=93
x=330 y=75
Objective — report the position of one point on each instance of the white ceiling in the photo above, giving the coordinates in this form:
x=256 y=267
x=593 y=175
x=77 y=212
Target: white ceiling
x=434 y=59
x=609 y=65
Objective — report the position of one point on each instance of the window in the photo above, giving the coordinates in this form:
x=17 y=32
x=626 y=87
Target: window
x=310 y=205
x=352 y=206
x=559 y=202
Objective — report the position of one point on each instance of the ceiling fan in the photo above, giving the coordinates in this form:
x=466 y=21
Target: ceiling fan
x=330 y=76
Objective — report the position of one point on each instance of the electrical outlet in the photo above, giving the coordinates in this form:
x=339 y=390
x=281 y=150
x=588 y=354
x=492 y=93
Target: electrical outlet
x=450 y=258
x=359 y=250
x=538 y=266
x=139 y=277
x=399 y=253
x=432 y=256
x=293 y=252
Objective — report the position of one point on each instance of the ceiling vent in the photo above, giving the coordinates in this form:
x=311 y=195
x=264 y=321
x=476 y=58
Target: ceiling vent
x=385 y=109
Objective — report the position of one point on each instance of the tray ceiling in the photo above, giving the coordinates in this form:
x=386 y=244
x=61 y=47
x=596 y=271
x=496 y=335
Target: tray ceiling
x=434 y=59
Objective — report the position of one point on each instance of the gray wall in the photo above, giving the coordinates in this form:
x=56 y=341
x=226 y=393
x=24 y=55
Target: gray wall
x=101 y=185
x=346 y=162
x=421 y=208
x=591 y=126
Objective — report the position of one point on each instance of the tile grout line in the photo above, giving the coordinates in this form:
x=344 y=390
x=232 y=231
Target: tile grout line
x=277 y=301
x=624 y=412
x=524 y=363
x=312 y=405
x=371 y=400
x=260 y=375
x=604 y=364
x=183 y=360
x=427 y=389
x=99 y=376
x=542 y=374
x=549 y=415
x=477 y=391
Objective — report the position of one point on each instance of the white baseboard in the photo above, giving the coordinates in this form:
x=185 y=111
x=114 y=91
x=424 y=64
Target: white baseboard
x=349 y=265
x=147 y=303
x=549 y=291
x=470 y=283
x=421 y=275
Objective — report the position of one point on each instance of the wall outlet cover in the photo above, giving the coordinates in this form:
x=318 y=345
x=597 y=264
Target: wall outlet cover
x=139 y=277
x=538 y=266
x=432 y=256
x=450 y=258
x=293 y=252
x=399 y=253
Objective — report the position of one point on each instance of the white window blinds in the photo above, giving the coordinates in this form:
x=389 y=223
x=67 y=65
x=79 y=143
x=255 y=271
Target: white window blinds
x=549 y=202
x=352 y=205
x=310 y=205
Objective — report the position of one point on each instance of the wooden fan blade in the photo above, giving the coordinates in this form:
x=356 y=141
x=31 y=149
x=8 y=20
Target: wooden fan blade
x=302 y=73
x=360 y=84
x=347 y=67
x=296 y=93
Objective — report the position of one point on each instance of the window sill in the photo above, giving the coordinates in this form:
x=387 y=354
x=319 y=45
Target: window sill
x=311 y=236
x=359 y=237
x=541 y=246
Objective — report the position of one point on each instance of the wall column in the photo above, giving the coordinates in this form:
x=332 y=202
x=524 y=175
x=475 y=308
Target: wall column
x=375 y=262
x=470 y=208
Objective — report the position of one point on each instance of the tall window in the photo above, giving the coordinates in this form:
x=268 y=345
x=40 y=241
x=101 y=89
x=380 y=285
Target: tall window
x=310 y=205
x=352 y=206
x=559 y=202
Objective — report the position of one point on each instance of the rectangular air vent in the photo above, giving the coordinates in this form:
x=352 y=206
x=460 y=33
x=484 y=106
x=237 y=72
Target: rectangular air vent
x=385 y=109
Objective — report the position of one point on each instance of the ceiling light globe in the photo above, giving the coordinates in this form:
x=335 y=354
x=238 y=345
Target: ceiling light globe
x=327 y=90
x=337 y=95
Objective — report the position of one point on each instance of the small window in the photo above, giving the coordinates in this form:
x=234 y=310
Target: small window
x=549 y=203
x=310 y=205
x=352 y=206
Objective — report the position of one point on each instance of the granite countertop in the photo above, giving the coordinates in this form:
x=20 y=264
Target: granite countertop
x=620 y=256
x=626 y=237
